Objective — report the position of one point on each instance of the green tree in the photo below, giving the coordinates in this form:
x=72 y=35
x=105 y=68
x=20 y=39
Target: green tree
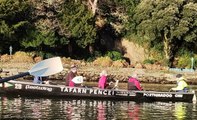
x=45 y=34
x=80 y=24
x=126 y=8
x=38 y=40
x=14 y=20
x=169 y=22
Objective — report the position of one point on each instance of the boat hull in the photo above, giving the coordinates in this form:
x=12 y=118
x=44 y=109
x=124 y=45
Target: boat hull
x=61 y=91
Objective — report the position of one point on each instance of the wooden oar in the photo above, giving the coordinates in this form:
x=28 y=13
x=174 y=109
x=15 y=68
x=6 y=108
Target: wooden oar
x=44 y=68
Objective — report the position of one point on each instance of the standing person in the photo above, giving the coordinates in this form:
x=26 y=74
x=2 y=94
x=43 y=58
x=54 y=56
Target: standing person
x=72 y=73
x=181 y=84
x=103 y=80
x=133 y=82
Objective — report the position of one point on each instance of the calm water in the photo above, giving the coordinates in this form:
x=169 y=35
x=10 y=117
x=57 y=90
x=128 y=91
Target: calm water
x=21 y=108
x=67 y=109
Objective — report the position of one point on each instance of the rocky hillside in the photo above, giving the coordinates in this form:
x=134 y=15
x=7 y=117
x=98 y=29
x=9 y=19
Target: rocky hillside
x=133 y=51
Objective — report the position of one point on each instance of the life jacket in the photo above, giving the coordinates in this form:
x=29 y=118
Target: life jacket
x=133 y=84
x=102 y=82
x=182 y=85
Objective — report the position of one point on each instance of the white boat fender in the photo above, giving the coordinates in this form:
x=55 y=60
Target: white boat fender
x=194 y=97
x=78 y=79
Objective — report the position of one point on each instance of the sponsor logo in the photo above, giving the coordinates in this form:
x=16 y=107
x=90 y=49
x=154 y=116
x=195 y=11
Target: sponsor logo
x=87 y=91
x=157 y=95
x=125 y=93
x=32 y=87
x=178 y=95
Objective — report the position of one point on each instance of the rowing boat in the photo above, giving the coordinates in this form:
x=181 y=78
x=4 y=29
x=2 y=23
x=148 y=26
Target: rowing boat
x=30 y=89
x=53 y=65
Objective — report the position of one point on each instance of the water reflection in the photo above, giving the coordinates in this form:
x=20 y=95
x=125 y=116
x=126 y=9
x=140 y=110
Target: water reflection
x=101 y=111
x=179 y=111
x=69 y=109
x=133 y=111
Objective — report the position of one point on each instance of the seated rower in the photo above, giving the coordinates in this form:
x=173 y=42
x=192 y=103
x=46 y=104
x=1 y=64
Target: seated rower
x=71 y=74
x=181 y=84
x=133 y=83
x=40 y=80
x=102 y=83
x=37 y=80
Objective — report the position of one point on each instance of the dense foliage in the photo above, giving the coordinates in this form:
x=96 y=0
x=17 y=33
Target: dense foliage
x=170 y=23
x=15 y=17
x=89 y=28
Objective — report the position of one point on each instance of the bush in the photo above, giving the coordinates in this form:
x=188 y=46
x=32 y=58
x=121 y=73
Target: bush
x=66 y=60
x=21 y=57
x=149 y=61
x=94 y=56
x=195 y=61
x=114 y=55
x=103 y=61
x=48 y=55
x=45 y=55
x=184 y=61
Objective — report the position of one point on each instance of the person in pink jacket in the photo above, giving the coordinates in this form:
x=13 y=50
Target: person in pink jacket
x=133 y=83
x=103 y=80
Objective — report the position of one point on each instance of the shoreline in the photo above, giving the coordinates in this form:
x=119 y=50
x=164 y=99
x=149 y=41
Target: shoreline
x=114 y=73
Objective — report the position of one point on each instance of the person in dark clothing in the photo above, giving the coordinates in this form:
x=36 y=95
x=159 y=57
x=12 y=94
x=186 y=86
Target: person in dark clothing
x=72 y=73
